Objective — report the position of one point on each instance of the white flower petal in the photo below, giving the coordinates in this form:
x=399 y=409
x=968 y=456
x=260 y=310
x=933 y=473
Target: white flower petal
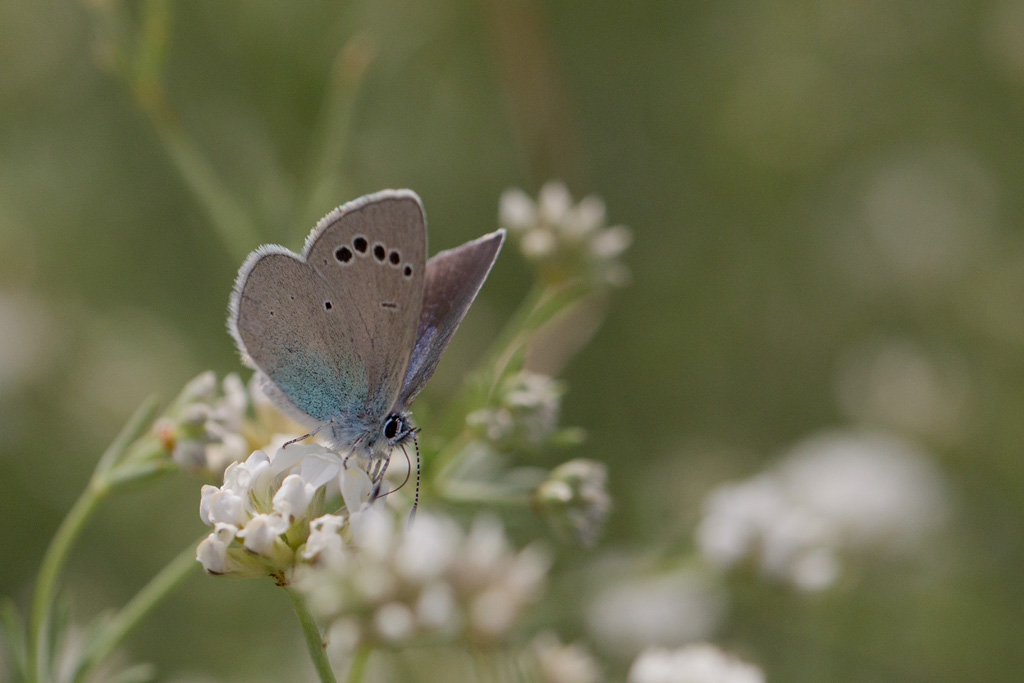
x=355 y=487
x=394 y=622
x=516 y=211
x=212 y=551
x=261 y=532
x=319 y=468
x=325 y=541
x=554 y=202
x=294 y=496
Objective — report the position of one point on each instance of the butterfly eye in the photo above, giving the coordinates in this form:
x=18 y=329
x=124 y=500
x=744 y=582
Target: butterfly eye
x=391 y=427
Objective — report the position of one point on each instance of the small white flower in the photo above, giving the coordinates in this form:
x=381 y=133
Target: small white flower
x=294 y=496
x=585 y=218
x=669 y=609
x=436 y=608
x=324 y=539
x=560 y=663
x=611 y=243
x=693 y=664
x=356 y=488
x=526 y=414
x=575 y=500
x=554 y=202
x=834 y=494
x=428 y=553
x=394 y=622
x=205 y=431
x=222 y=506
x=262 y=532
x=566 y=242
x=516 y=210
x=200 y=389
x=266 y=504
x=428 y=579
x=212 y=551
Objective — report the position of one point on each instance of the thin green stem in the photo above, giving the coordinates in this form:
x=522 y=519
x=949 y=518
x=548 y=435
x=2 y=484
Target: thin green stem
x=46 y=585
x=357 y=669
x=139 y=63
x=158 y=588
x=314 y=639
x=332 y=131
x=133 y=429
x=477 y=493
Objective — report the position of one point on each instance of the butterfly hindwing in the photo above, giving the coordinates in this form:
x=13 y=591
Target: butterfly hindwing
x=453 y=278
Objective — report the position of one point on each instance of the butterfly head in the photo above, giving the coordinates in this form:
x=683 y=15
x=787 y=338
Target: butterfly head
x=396 y=429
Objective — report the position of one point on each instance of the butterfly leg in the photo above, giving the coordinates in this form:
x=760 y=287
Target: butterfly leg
x=306 y=436
x=380 y=466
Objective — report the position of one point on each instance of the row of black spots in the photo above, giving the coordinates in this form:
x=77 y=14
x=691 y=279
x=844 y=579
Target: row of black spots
x=359 y=243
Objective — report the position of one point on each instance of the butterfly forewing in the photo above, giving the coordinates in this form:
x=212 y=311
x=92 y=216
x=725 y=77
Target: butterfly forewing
x=334 y=329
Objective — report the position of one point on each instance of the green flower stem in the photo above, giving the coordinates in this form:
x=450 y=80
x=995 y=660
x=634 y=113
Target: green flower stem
x=480 y=493
x=314 y=639
x=46 y=585
x=158 y=588
x=332 y=131
x=358 y=667
x=138 y=60
x=541 y=304
x=60 y=546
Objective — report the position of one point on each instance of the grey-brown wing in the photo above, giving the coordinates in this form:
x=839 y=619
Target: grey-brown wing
x=334 y=328
x=453 y=279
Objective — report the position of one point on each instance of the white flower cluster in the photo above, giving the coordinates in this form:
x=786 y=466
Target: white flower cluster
x=574 y=499
x=526 y=414
x=380 y=583
x=700 y=663
x=206 y=430
x=834 y=493
x=564 y=240
x=268 y=507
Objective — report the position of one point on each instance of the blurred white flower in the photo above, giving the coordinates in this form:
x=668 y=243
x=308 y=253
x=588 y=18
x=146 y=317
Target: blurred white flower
x=669 y=609
x=893 y=383
x=700 y=663
x=561 y=663
x=525 y=414
x=209 y=427
x=387 y=584
x=834 y=493
x=262 y=514
x=574 y=499
x=565 y=241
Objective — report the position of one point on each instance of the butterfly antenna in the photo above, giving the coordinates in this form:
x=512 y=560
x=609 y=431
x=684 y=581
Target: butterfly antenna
x=407 y=472
x=416 y=496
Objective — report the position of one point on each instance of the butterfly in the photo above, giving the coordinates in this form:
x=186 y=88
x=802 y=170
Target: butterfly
x=345 y=335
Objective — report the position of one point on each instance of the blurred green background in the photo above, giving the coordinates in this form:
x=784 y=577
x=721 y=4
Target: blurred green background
x=807 y=182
